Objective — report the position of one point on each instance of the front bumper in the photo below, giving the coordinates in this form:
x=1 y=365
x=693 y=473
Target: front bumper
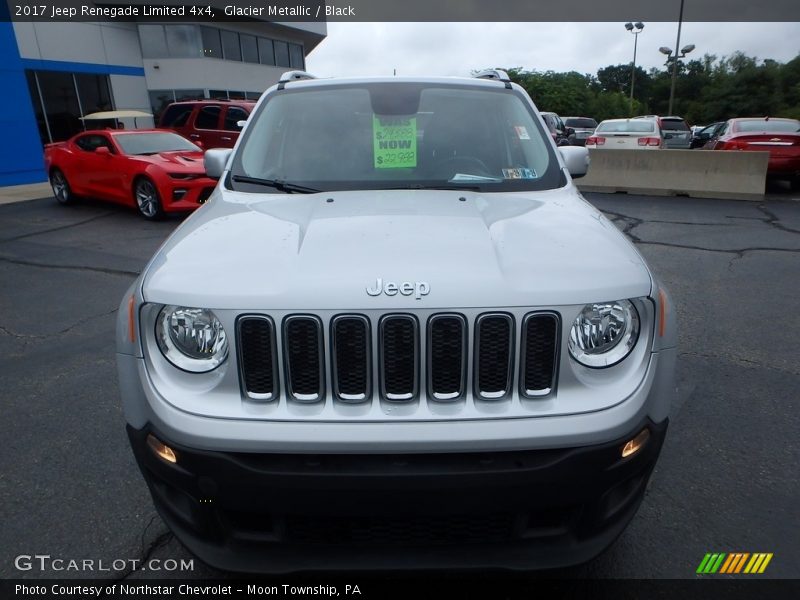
x=186 y=195
x=526 y=509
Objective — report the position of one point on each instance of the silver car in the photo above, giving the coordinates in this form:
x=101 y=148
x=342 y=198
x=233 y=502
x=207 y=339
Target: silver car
x=396 y=336
x=582 y=129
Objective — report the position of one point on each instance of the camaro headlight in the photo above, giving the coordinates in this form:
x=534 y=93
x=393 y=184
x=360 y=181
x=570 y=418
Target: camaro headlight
x=604 y=333
x=192 y=339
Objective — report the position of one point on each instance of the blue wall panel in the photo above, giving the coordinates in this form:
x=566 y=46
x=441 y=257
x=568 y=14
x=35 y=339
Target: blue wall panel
x=21 y=158
x=21 y=149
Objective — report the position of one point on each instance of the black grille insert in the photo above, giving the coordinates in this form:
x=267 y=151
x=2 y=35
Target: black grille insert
x=304 y=358
x=494 y=355
x=399 y=345
x=257 y=358
x=447 y=349
x=540 y=332
x=351 y=353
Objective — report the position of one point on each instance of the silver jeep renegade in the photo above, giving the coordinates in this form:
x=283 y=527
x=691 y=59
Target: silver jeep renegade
x=396 y=337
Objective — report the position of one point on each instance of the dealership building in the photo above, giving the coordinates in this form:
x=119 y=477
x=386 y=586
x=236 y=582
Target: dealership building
x=54 y=73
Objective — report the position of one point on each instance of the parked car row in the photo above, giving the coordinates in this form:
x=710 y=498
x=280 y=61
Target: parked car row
x=779 y=137
x=159 y=171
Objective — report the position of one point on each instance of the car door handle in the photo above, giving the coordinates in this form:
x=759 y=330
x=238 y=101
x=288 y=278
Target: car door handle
x=194 y=136
x=225 y=138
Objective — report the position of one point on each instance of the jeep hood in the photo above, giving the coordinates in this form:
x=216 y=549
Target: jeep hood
x=322 y=251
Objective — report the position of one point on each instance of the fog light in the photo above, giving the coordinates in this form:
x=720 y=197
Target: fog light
x=636 y=444
x=178 y=194
x=161 y=450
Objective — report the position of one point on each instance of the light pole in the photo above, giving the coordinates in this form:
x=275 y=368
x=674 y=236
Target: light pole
x=673 y=58
x=668 y=51
x=635 y=29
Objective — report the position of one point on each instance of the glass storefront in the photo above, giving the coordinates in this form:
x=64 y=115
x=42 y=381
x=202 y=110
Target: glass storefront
x=60 y=100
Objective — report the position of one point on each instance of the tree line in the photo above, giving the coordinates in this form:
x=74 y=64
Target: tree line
x=707 y=90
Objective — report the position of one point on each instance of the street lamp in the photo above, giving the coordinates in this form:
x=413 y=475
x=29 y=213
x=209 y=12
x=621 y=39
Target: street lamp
x=635 y=29
x=674 y=58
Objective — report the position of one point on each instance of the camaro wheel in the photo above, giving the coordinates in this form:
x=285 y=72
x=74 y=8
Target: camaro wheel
x=61 y=189
x=147 y=200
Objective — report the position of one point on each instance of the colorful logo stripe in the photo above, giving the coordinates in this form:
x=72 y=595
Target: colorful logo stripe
x=734 y=562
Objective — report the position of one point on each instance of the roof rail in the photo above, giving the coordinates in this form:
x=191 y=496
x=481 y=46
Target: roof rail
x=293 y=76
x=497 y=74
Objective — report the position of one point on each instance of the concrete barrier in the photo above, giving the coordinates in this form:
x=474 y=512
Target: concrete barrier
x=696 y=173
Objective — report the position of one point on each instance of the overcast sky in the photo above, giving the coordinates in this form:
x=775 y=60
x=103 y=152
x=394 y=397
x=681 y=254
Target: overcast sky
x=458 y=48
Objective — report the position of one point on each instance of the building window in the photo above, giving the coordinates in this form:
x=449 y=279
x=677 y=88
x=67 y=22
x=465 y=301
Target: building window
x=249 y=48
x=266 y=53
x=181 y=95
x=153 y=41
x=94 y=92
x=183 y=41
x=296 y=56
x=282 y=54
x=61 y=99
x=230 y=46
x=218 y=94
x=212 y=46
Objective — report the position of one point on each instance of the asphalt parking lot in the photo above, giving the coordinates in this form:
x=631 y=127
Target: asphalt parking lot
x=727 y=479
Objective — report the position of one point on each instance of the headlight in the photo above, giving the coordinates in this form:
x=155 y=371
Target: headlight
x=192 y=339
x=604 y=333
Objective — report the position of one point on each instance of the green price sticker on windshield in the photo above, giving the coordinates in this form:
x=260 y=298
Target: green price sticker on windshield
x=394 y=141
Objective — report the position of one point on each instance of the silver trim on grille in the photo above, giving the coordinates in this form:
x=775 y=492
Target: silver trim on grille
x=263 y=397
x=334 y=368
x=538 y=394
x=320 y=393
x=382 y=369
x=500 y=394
x=429 y=357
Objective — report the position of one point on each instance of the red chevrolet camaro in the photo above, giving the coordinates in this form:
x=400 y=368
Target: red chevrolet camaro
x=779 y=137
x=153 y=170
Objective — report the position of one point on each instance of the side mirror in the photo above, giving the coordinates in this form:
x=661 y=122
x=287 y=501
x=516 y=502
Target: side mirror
x=215 y=160
x=576 y=159
x=102 y=151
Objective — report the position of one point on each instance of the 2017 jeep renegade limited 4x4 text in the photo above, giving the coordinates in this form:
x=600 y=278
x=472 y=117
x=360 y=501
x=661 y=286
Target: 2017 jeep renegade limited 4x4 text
x=396 y=336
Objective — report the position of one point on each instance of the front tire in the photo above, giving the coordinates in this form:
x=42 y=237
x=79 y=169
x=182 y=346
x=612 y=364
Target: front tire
x=147 y=199
x=61 y=190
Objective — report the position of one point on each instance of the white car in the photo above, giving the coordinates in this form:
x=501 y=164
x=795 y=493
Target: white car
x=396 y=336
x=626 y=134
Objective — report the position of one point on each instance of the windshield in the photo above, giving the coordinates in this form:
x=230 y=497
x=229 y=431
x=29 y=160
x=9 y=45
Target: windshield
x=769 y=126
x=638 y=126
x=396 y=135
x=153 y=143
x=580 y=123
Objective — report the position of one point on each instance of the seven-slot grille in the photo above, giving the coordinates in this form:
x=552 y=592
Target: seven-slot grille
x=398 y=356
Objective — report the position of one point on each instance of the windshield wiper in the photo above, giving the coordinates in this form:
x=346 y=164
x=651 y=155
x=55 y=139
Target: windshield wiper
x=283 y=186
